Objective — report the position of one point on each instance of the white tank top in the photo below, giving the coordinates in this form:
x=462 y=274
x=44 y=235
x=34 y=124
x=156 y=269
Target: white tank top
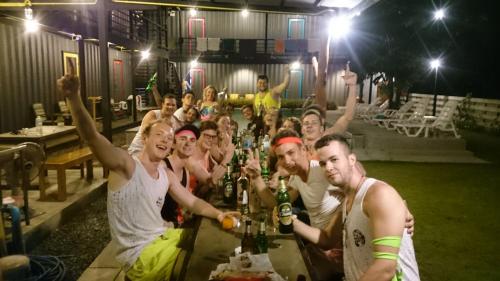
x=358 y=242
x=134 y=212
x=319 y=203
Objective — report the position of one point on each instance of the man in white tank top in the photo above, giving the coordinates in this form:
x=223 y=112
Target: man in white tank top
x=136 y=190
x=376 y=244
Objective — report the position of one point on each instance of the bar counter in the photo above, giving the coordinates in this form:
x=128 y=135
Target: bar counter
x=213 y=246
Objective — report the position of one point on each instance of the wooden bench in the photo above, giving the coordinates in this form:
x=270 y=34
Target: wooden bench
x=61 y=163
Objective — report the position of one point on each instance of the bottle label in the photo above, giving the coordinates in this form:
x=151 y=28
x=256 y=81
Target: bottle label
x=285 y=213
x=228 y=190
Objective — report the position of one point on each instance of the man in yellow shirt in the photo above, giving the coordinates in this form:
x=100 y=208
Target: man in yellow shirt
x=265 y=98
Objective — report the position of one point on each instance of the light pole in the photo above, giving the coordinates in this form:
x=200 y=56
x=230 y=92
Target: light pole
x=435 y=64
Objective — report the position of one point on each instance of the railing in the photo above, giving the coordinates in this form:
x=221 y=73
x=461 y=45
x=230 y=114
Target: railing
x=485 y=112
x=264 y=48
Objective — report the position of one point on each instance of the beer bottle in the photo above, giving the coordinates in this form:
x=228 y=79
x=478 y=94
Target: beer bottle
x=284 y=208
x=228 y=195
x=151 y=82
x=242 y=184
x=261 y=238
x=248 y=243
x=245 y=210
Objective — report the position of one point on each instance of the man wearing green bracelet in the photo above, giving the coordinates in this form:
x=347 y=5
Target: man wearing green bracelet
x=375 y=242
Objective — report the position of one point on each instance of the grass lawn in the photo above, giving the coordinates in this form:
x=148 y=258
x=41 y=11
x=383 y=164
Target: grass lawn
x=457 y=233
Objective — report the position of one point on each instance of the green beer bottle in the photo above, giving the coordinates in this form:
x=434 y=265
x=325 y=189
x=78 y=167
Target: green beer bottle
x=151 y=82
x=228 y=191
x=284 y=208
x=261 y=238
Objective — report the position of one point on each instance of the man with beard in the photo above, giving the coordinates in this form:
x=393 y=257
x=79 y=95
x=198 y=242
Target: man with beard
x=376 y=245
x=137 y=185
x=169 y=105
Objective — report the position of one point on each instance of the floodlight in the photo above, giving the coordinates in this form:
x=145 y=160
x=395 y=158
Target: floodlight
x=339 y=26
x=145 y=54
x=439 y=14
x=244 y=13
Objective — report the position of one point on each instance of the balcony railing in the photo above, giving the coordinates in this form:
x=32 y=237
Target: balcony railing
x=239 y=49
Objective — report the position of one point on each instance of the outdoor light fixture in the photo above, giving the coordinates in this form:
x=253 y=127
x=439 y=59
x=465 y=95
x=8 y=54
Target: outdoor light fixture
x=145 y=54
x=339 y=26
x=193 y=64
x=192 y=12
x=439 y=14
x=244 y=13
x=30 y=24
x=435 y=64
x=295 y=65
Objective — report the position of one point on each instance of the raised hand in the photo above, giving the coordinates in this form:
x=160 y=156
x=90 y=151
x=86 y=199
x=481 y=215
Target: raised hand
x=252 y=166
x=218 y=172
x=350 y=78
x=68 y=85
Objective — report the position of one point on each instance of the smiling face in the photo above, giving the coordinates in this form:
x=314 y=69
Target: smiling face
x=207 y=139
x=184 y=144
x=191 y=116
x=209 y=94
x=247 y=113
x=292 y=157
x=158 y=141
x=337 y=163
x=168 y=107
x=312 y=127
x=262 y=85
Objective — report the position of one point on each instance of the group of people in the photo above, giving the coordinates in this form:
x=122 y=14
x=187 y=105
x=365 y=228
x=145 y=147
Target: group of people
x=358 y=226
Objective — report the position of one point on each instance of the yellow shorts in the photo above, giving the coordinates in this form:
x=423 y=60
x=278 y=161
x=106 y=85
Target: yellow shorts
x=157 y=259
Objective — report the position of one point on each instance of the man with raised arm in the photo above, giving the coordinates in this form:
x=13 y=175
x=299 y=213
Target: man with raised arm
x=376 y=244
x=265 y=98
x=137 y=185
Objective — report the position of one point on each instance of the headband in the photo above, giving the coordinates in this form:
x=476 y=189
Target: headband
x=287 y=140
x=186 y=133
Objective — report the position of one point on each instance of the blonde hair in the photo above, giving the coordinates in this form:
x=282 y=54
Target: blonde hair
x=205 y=91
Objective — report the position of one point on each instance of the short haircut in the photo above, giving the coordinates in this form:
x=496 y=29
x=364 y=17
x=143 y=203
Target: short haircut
x=169 y=96
x=283 y=134
x=263 y=77
x=208 y=125
x=326 y=140
x=314 y=109
x=222 y=114
x=188 y=93
x=191 y=128
x=147 y=130
x=249 y=106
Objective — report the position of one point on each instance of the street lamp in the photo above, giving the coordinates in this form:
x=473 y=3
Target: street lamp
x=439 y=14
x=435 y=64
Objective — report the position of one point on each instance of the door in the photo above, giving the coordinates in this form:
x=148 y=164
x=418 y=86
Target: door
x=294 y=90
x=296 y=28
x=196 y=28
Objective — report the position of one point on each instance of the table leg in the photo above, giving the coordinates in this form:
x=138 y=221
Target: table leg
x=61 y=184
x=42 y=181
x=90 y=170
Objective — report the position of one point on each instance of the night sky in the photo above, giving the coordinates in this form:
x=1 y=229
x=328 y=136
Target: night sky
x=401 y=37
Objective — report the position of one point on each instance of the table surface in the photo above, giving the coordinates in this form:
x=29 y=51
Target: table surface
x=213 y=246
x=33 y=135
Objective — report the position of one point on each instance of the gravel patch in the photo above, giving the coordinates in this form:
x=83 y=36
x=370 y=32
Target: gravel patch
x=80 y=240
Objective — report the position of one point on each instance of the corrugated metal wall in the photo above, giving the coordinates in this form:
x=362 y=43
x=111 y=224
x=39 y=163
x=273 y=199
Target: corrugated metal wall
x=233 y=25
x=29 y=67
x=223 y=25
x=242 y=79
x=93 y=71
x=278 y=26
x=30 y=64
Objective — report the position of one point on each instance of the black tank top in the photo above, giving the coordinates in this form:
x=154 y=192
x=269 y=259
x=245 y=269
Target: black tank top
x=169 y=211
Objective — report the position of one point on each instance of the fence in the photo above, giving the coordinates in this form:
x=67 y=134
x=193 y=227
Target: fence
x=485 y=112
